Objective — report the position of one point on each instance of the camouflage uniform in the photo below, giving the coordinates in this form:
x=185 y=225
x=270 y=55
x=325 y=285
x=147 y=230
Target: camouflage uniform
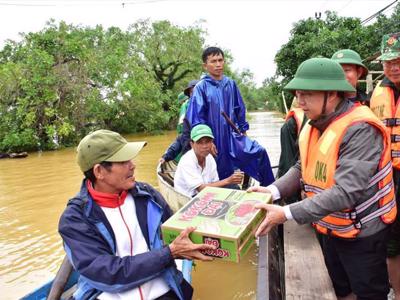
x=390 y=50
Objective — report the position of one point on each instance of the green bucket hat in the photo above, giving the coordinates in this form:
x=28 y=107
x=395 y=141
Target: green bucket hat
x=351 y=57
x=390 y=46
x=200 y=131
x=105 y=145
x=319 y=74
x=182 y=97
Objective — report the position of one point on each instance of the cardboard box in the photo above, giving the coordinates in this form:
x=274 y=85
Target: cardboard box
x=225 y=218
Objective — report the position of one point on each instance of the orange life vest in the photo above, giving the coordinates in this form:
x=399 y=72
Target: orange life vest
x=298 y=115
x=387 y=109
x=319 y=155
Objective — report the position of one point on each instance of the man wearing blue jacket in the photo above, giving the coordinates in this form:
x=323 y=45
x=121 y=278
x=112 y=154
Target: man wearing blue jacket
x=214 y=95
x=111 y=228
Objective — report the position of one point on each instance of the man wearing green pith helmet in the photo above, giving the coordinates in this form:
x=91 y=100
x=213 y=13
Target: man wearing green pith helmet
x=385 y=103
x=354 y=70
x=343 y=171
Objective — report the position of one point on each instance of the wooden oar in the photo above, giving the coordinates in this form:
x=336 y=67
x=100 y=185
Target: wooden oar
x=230 y=122
x=60 y=281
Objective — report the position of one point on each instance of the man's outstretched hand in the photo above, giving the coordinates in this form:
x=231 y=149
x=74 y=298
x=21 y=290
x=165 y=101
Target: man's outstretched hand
x=275 y=215
x=183 y=247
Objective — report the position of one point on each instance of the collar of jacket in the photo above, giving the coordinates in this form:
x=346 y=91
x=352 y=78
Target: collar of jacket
x=95 y=214
x=84 y=199
x=361 y=96
x=322 y=123
x=224 y=81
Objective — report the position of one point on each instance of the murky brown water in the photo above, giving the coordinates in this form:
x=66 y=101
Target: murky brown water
x=34 y=192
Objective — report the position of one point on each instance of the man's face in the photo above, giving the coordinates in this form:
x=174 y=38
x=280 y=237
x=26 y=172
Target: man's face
x=391 y=68
x=119 y=177
x=353 y=73
x=202 y=147
x=311 y=102
x=215 y=66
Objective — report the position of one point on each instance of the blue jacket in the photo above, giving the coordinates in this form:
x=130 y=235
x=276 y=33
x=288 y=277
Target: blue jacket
x=89 y=242
x=180 y=145
x=211 y=97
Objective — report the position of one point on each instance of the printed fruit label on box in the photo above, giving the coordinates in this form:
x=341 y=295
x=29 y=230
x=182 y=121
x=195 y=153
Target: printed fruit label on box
x=223 y=217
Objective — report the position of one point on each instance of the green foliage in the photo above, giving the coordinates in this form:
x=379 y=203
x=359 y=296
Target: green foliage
x=64 y=81
x=323 y=37
x=24 y=140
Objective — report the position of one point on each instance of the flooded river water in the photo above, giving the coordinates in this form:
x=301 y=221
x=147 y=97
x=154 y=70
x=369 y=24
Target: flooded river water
x=35 y=190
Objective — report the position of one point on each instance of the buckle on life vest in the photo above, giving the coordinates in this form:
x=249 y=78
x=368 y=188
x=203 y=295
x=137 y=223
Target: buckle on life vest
x=302 y=185
x=395 y=138
x=391 y=122
x=358 y=225
x=395 y=153
x=353 y=215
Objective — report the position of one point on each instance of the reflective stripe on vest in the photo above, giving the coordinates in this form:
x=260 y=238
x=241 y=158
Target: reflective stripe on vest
x=319 y=155
x=384 y=106
x=298 y=115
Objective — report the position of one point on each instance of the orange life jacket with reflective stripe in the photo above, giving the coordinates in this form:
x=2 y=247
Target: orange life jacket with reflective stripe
x=319 y=155
x=298 y=115
x=387 y=109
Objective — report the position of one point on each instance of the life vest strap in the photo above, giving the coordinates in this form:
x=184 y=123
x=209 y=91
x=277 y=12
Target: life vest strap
x=380 y=194
x=377 y=213
x=391 y=122
x=380 y=175
x=395 y=138
x=352 y=215
x=395 y=153
x=310 y=188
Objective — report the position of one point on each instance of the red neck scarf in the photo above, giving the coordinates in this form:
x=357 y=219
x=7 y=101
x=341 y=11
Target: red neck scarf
x=106 y=199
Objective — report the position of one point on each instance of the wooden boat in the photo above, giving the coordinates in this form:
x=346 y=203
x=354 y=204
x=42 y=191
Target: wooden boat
x=13 y=155
x=64 y=284
x=165 y=178
x=175 y=199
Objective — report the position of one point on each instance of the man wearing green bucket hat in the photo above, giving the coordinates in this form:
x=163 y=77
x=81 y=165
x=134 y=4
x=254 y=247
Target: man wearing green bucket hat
x=345 y=174
x=385 y=103
x=354 y=69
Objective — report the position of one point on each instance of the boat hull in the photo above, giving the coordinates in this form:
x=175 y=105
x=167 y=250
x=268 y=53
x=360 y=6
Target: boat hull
x=165 y=175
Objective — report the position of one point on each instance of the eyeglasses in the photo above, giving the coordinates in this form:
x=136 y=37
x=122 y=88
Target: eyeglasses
x=389 y=64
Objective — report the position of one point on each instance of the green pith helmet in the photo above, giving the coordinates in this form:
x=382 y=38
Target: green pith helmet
x=390 y=47
x=350 y=57
x=182 y=97
x=319 y=74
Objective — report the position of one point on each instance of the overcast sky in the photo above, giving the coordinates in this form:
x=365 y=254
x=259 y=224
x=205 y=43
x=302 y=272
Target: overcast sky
x=252 y=30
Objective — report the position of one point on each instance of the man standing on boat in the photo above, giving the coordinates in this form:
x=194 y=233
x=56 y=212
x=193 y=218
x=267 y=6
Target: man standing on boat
x=345 y=171
x=214 y=96
x=111 y=228
x=385 y=103
x=354 y=70
x=197 y=168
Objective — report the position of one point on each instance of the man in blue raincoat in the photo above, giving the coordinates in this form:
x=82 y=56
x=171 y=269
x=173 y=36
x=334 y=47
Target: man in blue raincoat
x=216 y=94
